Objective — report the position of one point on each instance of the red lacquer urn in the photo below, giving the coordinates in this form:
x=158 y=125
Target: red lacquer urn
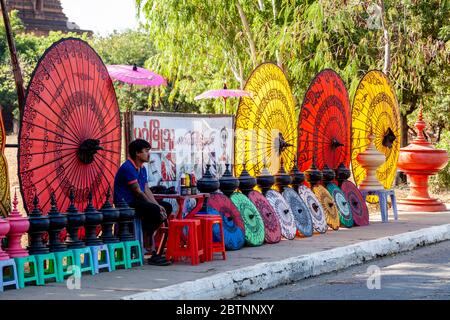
x=419 y=160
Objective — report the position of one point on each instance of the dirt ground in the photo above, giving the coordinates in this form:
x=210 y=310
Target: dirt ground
x=11 y=157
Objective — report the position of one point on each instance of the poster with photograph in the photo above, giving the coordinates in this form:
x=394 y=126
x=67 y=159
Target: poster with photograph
x=183 y=144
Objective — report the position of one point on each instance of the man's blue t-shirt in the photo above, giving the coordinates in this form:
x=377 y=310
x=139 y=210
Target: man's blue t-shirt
x=128 y=174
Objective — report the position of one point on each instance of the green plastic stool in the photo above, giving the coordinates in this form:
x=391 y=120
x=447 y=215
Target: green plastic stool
x=31 y=275
x=133 y=256
x=88 y=263
x=47 y=272
x=61 y=267
x=117 y=255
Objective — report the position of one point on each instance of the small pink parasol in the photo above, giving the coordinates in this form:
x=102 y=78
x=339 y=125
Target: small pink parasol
x=135 y=75
x=223 y=93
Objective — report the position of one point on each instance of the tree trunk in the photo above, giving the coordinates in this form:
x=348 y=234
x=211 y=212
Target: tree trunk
x=387 y=44
x=274 y=10
x=14 y=61
x=438 y=139
x=248 y=32
x=404 y=132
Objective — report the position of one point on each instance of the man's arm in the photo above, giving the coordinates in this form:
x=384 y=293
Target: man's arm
x=138 y=192
x=145 y=196
x=149 y=194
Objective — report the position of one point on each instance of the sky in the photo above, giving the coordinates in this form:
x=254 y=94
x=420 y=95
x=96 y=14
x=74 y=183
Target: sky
x=101 y=16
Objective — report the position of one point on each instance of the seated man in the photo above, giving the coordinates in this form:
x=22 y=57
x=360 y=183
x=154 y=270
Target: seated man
x=130 y=183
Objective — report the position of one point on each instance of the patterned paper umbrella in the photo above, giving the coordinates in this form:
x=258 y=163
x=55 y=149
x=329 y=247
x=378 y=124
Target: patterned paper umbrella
x=324 y=123
x=254 y=226
x=265 y=124
x=70 y=128
x=345 y=215
x=233 y=226
x=224 y=93
x=301 y=212
x=329 y=207
x=315 y=208
x=5 y=197
x=375 y=108
x=284 y=213
x=272 y=228
x=135 y=75
x=358 y=206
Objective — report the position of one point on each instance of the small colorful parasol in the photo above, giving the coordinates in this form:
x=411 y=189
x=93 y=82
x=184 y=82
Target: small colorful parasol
x=301 y=212
x=272 y=228
x=224 y=93
x=254 y=225
x=329 y=207
x=284 y=213
x=135 y=75
x=315 y=208
x=358 y=206
x=233 y=226
x=342 y=205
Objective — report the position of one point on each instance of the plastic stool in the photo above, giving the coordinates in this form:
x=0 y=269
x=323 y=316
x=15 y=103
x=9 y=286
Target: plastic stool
x=139 y=234
x=46 y=267
x=61 y=267
x=193 y=247
x=88 y=262
x=8 y=263
x=211 y=247
x=133 y=256
x=31 y=275
x=382 y=196
x=100 y=257
x=117 y=255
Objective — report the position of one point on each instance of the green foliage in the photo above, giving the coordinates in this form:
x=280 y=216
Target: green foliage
x=129 y=47
x=441 y=181
x=29 y=49
x=201 y=43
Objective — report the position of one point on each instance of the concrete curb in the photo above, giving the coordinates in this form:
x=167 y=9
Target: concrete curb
x=267 y=275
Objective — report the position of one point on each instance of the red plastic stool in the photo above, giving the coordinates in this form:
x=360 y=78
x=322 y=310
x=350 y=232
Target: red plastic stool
x=188 y=246
x=211 y=247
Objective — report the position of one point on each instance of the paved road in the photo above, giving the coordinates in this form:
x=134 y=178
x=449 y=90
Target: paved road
x=423 y=273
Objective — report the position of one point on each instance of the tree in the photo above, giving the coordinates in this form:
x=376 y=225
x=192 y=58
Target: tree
x=129 y=47
x=200 y=43
x=29 y=49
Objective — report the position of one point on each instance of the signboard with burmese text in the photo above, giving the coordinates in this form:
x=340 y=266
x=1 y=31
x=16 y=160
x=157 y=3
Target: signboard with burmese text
x=183 y=143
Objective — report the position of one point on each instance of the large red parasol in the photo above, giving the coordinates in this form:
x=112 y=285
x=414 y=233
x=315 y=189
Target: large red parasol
x=70 y=128
x=324 y=123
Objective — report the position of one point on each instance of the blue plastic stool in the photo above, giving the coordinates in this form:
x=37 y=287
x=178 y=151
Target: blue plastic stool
x=88 y=262
x=100 y=257
x=139 y=234
x=31 y=275
x=383 y=196
x=9 y=263
x=64 y=268
x=133 y=253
